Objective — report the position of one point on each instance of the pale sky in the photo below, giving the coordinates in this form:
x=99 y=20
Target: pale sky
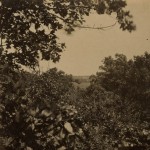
x=86 y=48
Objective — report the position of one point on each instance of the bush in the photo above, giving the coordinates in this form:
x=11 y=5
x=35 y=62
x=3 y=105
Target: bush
x=30 y=125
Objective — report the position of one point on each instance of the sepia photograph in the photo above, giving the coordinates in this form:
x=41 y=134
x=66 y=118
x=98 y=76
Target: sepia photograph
x=74 y=74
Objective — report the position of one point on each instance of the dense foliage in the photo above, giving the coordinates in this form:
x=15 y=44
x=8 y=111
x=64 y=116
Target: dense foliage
x=117 y=103
x=34 y=116
x=46 y=112
x=127 y=78
x=48 y=88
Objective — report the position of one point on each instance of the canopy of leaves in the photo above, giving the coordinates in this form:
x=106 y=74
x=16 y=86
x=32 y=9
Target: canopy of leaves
x=111 y=122
x=130 y=79
x=28 y=118
x=49 y=88
x=28 y=27
x=100 y=120
x=116 y=104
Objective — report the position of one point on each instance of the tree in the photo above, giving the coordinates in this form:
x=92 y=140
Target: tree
x=28 y=27
x=116 y=104
x=111 y=124
x=50 y=87
x=127 y=78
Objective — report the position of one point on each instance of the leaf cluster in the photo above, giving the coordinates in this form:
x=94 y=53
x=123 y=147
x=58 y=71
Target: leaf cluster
x=31 y=120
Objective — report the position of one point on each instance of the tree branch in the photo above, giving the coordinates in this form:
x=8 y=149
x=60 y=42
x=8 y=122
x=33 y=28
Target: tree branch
x=97 y=28
x=85 y=27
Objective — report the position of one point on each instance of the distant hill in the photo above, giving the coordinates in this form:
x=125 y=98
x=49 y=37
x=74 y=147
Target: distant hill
x=81 y=81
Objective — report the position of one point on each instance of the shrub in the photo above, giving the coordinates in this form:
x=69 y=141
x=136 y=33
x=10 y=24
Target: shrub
x=29 y=125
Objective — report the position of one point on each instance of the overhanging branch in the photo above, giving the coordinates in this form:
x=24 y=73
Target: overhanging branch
x=85 y=27
x=96 y=28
